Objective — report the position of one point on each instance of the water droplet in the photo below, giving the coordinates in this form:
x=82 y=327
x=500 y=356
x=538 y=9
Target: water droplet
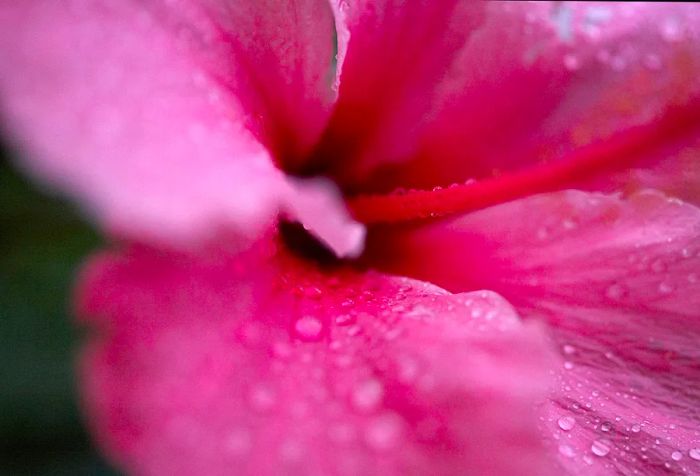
x=566 y=423
x=568 y=365
x=615 y=291
x=367 y=395
x=605 y=426
x=600 y=447
x=281 y=349
x=383 y=432
x=312 y=292
x=665 y=288
x=694 y=453
x=569 y=224
x=567 y=451
x=618 y=63
x=671 y=31
x=568 y=349
x=345 y=319
x=308 y=328
x=261 y=398
x=571 y=62
x=238 y=441
x=636 y=428
x=676 y=456
x=407 y=369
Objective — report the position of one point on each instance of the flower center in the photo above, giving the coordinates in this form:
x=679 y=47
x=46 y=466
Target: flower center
x=608 y=155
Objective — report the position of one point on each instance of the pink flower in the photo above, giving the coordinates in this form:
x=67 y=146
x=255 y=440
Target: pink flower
x=564 y=335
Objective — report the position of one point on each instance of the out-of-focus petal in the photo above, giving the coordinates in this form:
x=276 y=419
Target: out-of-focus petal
x=618 y=281
x=532 y=84
x=269 y=365
x=162 y=116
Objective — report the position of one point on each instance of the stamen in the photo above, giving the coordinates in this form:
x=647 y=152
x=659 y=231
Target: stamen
x=605 y=156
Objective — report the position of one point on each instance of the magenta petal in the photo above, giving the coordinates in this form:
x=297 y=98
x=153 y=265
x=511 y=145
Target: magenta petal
x=267 y=365
x=533 y=82
x=618 y=281
x=149 y=113
x=391 y=58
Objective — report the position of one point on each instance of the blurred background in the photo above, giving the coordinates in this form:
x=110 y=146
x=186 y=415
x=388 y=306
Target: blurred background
x=42 y=241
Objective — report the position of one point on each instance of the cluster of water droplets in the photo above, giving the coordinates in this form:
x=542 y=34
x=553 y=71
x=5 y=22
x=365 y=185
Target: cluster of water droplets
x=615 y=441
x=580 y=31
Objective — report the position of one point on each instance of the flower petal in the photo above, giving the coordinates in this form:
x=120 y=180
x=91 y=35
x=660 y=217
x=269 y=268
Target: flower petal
x=272 y=366
x=168 y=141
x=618 y=281
x=534 y=82
x=391 y=56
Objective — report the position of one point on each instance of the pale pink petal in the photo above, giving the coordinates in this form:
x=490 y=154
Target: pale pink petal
x=264 y=365
x=618 y=281
x=533 y=83
x=153 y=113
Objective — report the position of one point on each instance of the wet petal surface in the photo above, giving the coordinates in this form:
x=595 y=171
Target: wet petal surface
x=272 y=366
x=617 y=281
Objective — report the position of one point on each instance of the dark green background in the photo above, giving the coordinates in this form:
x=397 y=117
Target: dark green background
x=42 y=241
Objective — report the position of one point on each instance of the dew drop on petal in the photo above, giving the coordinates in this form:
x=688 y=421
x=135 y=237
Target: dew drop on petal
x=671 y=31
x=568 y=365
x=567 y=451
x=571 y=62
x=566 y=423
x=615 y=291
x=605 y=426
x=238 y=441
x=308 y=328
x=345 y=319
x=676 y=456
x=568 y=349
x=367 y=394
x=383 y=432
x=600 y=447
x=665 y=288
x=694 y=453
x=261 y=398
x=636 y=428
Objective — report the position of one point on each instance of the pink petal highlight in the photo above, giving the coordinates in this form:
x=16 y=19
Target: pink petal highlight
x=618 y=282
x=265 y=364
x=162 y=142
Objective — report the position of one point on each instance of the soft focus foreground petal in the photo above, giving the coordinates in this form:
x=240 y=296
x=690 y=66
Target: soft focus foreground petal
x=537 y=81
x=147 y=112
x=391 y=56
x=618 y=281
x=263 y=364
